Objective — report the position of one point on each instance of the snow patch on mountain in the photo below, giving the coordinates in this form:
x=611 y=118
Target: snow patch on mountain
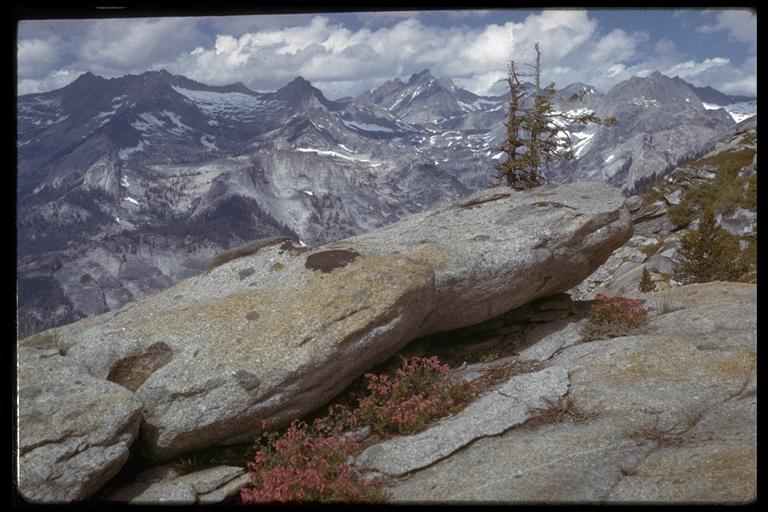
x=323 y=152
x=738 y=111
x=148 y=122
x=126 y=152
x=208 y=141
x=176 y=120
x=232 y=104
x=368 y=127
x=584 y=140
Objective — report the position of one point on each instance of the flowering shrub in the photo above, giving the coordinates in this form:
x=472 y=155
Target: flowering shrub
x=613 y=317
x=303 y=465
x=416 y=395
x=309 y=463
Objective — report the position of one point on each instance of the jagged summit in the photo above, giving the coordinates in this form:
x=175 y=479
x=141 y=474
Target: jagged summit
x=424 y=74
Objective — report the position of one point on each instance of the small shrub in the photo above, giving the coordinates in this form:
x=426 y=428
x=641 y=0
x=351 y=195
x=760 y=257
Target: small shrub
x=682 y=213
x=725 y=192
x=614 y=317
x=557 y=412
x=303 y=465
x=646 y=284
x=415 y=396
x=710 y=253
x=652 y=195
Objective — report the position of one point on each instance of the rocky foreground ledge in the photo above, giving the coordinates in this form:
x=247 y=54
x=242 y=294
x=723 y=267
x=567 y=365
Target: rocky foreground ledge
x=270 y=336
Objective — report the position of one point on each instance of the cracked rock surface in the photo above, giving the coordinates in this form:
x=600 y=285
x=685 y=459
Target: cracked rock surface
x=74 y=430
x=511 y=404
x=273 y=335
x=670 y=416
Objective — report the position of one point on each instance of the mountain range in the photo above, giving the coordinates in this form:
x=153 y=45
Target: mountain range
x=128 y=185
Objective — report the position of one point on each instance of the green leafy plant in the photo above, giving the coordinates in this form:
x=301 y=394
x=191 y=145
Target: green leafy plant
x=611 y=317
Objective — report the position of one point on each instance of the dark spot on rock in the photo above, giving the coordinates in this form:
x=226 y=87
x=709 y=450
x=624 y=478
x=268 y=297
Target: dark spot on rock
x=326 y=261
x=178 y=297
x=245 y=273
x=586 y=197
x=85 y=279
x=131 y=372
x=277 y=267
x=252 y=315
x=247 y=380
x=63 y=351
x=480 y=238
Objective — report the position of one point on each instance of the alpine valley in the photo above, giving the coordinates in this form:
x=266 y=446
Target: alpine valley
x=128 y=185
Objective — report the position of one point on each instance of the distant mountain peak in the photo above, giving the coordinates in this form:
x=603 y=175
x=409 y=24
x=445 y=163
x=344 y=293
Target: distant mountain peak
x=299 y=90
x=424 y=74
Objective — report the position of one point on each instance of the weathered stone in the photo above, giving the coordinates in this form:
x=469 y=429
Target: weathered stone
x=739 y=222
x=74 y=430
x=163 y=492
x=633 y=203
x=228 y=490
x=542 y=342
x=164 y=484
x=660 y=264
x=715 y=463
x=506 y=251
x=210 y=479
x=674 y=197
x=234 y=352
x=661 y=306
x=565 y=462
x=510 y=405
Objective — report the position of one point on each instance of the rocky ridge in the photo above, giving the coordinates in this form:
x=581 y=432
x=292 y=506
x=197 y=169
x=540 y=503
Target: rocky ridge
x=655 y=244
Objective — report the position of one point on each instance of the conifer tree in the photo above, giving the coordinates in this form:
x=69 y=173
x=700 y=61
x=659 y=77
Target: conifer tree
x=534 y=136
x=709 y=253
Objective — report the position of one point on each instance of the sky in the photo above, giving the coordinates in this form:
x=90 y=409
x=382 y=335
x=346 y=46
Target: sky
x=345 y=54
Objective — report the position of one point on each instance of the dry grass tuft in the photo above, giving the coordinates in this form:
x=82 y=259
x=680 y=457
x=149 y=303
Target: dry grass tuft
x=501 y=372
x=557 y=412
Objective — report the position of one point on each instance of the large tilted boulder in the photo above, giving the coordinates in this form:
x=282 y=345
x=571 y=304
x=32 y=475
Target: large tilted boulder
x=270 y=336
x=74 y=430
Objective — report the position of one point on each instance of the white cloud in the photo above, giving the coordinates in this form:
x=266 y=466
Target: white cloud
x=691 y=68
x=615 y=69
x=265 y=52
x=746 y=86
x=617 y=46
x=337 y=58
x=739 y=24
x=55 y=80
x=118 y=45
x=36 y=56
